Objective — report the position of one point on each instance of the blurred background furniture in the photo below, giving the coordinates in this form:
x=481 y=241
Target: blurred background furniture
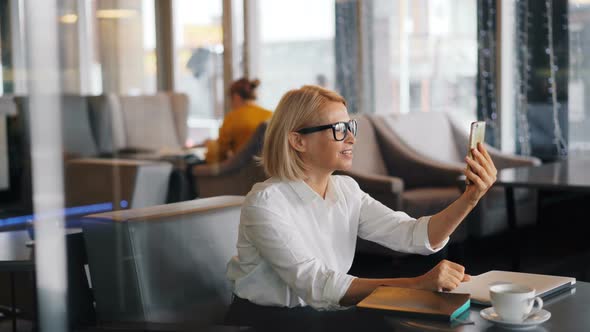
x=126 y=183
x=368 y=169
x=148 y=127
x=426 y=150
x=163 y=264
x=233 y=176
x=18 y=291
x=144 y=123
x=91 y=174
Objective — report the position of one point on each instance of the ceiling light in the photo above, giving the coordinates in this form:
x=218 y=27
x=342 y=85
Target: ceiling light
x=116 y=13
x=68 y=18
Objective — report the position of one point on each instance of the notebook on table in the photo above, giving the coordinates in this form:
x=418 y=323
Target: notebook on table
x=416 y=303
x=544 y=285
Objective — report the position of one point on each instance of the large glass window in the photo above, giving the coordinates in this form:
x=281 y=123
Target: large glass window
x=296 y=46
x=579 y=76
x=424 y=55
x=113 y=46
x=126 y=45
x=198 y=63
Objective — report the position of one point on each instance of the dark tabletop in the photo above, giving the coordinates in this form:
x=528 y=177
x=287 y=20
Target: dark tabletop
x=570 y=174
x=570 y=311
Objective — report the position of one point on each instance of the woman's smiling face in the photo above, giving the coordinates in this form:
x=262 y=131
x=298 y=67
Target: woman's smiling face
x=322 y=151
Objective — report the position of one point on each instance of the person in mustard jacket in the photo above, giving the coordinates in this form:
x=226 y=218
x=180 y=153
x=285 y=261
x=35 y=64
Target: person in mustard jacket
x=240 y=123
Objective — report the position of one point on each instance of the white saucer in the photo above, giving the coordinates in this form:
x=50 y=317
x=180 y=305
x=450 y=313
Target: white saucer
x=532 y=321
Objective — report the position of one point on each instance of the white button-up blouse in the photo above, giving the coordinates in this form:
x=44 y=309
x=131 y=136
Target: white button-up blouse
x=295 y=248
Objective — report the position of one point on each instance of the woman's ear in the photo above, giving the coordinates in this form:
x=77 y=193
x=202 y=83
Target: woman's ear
x=297 y=142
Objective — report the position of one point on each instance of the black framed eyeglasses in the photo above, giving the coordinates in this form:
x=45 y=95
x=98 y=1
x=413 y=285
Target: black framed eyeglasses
x=339 y=129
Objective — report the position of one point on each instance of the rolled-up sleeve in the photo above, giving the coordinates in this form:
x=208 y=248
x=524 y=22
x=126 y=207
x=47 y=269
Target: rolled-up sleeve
x=394 y=229
x=280 y=244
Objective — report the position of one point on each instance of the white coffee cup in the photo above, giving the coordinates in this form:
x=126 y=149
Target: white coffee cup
x=514 y=303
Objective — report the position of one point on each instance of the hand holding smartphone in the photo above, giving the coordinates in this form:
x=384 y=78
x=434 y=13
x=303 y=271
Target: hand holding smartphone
x=476 y=135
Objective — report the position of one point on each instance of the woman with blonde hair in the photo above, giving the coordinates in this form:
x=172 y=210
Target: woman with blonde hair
x=298 y=229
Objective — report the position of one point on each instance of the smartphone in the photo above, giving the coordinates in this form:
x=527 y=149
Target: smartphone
x=476 y=135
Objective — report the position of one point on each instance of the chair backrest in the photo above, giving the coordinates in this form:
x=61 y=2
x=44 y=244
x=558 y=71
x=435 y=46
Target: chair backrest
x=146 y=122
x=251 y=150
x=428 y=133
x=107 y=120
x=164 y=264
x=180 y=106
x=236 y=175
x=78 y=137
x=367 y=155
x=149 y=122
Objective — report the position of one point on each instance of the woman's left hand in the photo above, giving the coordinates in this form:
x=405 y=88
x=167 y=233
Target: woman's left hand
x=481 y=173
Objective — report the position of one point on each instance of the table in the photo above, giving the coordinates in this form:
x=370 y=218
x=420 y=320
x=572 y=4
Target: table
x=569 y=175
x=15 y=256
x=568 y=313
x=182 y=162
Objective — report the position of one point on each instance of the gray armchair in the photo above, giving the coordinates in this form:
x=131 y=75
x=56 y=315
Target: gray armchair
x=150 y=124
x=426 y=150
x=164 y=264
x=90 y=180
x=369 y=170
x=234 y=176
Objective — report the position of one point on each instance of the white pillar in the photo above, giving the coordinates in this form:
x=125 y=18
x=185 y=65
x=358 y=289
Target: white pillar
x=47 y=164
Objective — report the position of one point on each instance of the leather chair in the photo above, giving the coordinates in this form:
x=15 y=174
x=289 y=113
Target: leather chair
x=236 y=175
x=369 y=171
x=164 y=264
x=426 y=150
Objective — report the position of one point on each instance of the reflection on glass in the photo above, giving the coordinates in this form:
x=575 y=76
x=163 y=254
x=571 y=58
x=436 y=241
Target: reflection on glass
x=198 y=63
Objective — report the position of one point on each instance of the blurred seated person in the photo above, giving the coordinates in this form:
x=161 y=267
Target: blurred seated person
x=298 y=229
x=240 y=123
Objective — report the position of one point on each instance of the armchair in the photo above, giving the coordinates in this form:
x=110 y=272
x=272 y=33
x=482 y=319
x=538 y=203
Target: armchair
x=164 y=264
x=431 y=164
x=369 y=171
x=234 y=176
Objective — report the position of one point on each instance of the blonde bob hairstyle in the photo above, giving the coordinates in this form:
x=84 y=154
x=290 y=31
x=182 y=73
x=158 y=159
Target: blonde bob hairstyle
x=297 y=109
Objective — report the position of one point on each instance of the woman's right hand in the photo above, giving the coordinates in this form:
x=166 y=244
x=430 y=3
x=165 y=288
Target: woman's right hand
x=445 y=276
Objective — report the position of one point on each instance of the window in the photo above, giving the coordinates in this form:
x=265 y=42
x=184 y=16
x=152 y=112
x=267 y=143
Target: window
x=111 y=48
x=198 y=63
x=296 y=47
x=424 y=55
x=126 y=46
x=579 y=76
